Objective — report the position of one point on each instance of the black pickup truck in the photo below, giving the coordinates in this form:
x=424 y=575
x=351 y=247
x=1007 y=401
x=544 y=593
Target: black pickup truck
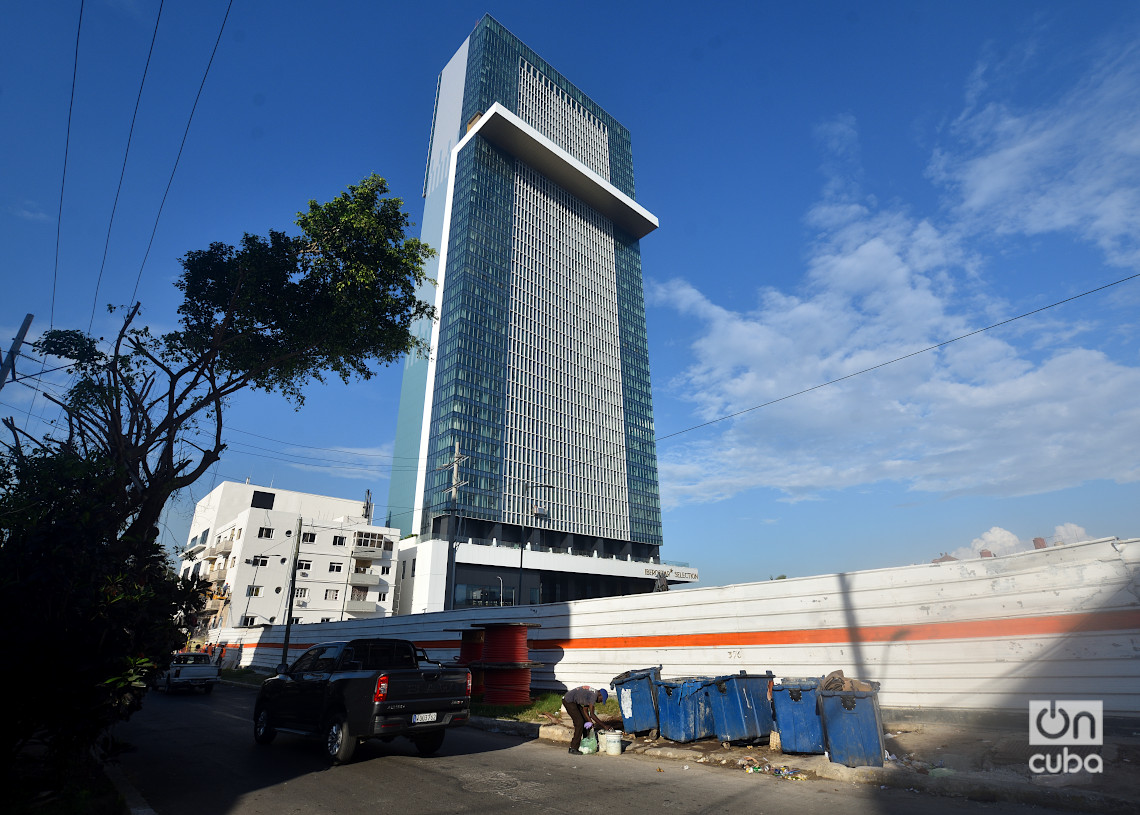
x=345 y=692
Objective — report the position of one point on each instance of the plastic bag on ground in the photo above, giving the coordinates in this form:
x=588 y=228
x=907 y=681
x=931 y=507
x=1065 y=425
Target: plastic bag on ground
x=589 y=743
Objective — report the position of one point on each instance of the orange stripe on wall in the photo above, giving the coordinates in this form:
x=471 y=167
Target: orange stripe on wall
x=973 y=629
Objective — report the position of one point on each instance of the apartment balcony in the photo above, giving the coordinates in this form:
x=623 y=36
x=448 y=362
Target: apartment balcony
x=365 y=578
x=359 y=606
x=217 y=576
x=371 y=553
x=214 y=605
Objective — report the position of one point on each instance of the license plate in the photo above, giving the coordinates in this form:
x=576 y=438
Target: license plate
x=420 y=718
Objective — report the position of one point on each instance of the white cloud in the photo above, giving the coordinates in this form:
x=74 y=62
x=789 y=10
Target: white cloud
x=1070 y=533
x=30 y=211
x=1021 y=411
x=357 y=464
x=1003 y=542
x=1073 y=166
x=997 y=540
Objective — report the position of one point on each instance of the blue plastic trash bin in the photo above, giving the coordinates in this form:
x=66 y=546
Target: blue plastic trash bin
x=740 y=707
x=636 y=699
x=797 y=717
x=683 y=708
x=853 y=726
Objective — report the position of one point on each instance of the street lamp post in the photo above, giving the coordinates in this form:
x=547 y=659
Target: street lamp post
x=530 y=511
x=500 y=591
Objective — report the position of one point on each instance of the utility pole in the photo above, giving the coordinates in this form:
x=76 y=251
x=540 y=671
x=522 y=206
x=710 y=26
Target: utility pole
x=8 y=363
x=292 y=588
x=529 y=511
x=453 y=526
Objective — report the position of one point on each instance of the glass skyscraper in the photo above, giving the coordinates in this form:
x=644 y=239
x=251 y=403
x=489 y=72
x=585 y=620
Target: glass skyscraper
x=539 y=370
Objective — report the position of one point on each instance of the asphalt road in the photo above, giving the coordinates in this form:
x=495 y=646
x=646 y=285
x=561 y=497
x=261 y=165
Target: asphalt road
x=190 y=754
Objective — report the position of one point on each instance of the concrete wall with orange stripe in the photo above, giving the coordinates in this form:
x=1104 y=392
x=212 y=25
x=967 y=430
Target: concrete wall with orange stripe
x=968 y=636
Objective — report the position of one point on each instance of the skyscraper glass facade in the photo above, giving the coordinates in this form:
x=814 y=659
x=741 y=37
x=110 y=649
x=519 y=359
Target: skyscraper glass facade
x=539 y=373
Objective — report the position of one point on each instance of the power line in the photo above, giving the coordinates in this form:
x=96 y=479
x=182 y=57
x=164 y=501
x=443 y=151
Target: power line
x=325 y=449
x=319 y=461
x=230 y=443
x=178 y=158
x=658 y=439
x=123 y=171
x=63 y=183
x=25 y=412
x=63 y=180
x=690 y=429
x=37 y=377
x=897 y=359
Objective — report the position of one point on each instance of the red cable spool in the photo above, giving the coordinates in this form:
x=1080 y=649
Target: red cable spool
x=506 y=643
x=471 y=647
x=507 y=686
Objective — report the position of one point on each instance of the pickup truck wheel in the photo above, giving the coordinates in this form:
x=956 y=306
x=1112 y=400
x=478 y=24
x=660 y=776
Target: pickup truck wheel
x=340 y=744
x=167 y=688
x=263 y=730
x=429 y=743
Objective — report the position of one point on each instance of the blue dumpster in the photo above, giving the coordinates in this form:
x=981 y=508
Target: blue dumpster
x=853 y=726
x=740 y=707
x=636 y=699
x=683 y=708
x=797 y=718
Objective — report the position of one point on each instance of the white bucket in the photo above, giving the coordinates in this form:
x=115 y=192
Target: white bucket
x=612 y=743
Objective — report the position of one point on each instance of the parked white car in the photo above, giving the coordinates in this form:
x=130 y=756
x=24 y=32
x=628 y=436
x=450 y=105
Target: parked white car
x=188 y=670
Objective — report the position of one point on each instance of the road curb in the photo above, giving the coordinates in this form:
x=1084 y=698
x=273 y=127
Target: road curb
x=977 y=786
x=136 y=804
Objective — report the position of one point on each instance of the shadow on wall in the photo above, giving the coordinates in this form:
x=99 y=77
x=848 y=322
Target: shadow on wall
x=963 y=638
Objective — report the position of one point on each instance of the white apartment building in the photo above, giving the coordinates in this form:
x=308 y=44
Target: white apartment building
x=244 y=539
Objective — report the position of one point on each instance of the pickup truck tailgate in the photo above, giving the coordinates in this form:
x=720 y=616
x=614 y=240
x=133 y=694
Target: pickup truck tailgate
x=422 y=699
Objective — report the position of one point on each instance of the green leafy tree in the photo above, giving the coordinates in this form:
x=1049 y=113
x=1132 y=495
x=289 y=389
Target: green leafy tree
x=83 y=575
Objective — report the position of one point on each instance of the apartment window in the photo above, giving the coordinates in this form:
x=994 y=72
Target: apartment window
x=265 y=532
x=383 y=596
x=335 y=567
x=359 y=594
x=373 y=540
x=295 y=620
x=308 y=537
x=300 y=593
x=304 y=565
x=247 y=620
x=262 y=500
x=253 y=591
x=338 y=540
x=326 y=619
x=238 y=535
x=259 y=560
x=385 y=569
x=332 y=594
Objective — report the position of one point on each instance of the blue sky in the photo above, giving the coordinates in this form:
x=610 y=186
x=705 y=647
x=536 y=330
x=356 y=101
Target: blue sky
x=838 y=184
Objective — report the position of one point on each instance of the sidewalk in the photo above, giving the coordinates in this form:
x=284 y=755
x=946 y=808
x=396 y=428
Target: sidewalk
x=975 y=763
